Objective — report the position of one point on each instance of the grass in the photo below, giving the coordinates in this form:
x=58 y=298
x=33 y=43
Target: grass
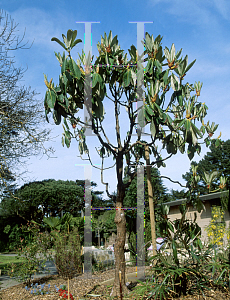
x=6 y=261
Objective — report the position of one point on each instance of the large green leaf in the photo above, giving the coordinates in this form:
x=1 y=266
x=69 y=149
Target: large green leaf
x=57 y=116
x=149 y=110
x=54 y=39
x=74 y=35
x=174 y=248
x=171 y=148
x=165 y=77
x=51 y=98
x=175 y=83
x=187 y=125
x=76 y=42
x=134 y=77
x=147 y=118
x=172 y=52
x=196 y=130
x=98 y=109
x=179 y=97
x=96 y=78
x=67 y=141
x=150 y=66
x=63 y=67
x=69 y=37
x=190 y=152
x=74 y=69
x=190 y=65
x=127 y=78
x=52 y=222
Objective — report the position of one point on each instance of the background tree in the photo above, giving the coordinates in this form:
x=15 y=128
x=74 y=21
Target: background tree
x=175 y=194
x=217 y=159
x=160 y=196
x=21 y=118
x=172 y=120
x=39 y=199
x=104 y=225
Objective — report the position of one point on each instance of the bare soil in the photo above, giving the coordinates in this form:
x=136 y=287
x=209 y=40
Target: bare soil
x=80 y=287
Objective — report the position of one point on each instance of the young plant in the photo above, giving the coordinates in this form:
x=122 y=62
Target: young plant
x=33 y=264
x=217 y=227
x=35 y=254
x=68 y=254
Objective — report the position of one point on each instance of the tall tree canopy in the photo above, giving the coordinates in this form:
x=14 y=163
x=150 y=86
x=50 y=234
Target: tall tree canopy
x=168 y=104
x=160 y=191
x=50 y=197
x=217 y=159
x=175 y=194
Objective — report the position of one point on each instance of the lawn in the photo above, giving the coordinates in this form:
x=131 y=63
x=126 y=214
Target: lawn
x=6 y=261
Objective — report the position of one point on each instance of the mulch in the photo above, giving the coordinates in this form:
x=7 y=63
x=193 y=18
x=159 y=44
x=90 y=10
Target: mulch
x=81 y=286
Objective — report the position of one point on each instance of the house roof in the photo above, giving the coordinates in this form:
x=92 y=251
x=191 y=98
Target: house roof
x=203 y=198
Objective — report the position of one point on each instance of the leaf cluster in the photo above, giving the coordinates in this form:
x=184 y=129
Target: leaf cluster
x=172 y=121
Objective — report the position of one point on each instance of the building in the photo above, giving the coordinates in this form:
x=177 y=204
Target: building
x=203 y=218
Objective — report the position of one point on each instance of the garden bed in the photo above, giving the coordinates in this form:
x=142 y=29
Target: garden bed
x=80 y=287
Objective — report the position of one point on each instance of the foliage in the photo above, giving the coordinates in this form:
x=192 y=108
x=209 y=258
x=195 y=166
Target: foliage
x=216 y=160
x=37 y=199
x=67 y=98
x=180 y=232
x=35 y=253
x=176 y=195
x=201 y=270
x=24 y=271
x=183 y=265
x=15 y=234
x=67 y=254
x=217 y=227
x=104 y=222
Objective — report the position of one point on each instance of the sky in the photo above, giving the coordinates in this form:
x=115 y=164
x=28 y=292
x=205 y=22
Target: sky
x=200 y=27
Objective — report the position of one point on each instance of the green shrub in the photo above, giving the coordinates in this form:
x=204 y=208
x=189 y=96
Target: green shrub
x=187 y=266
x=35 y=252
x=67 y=253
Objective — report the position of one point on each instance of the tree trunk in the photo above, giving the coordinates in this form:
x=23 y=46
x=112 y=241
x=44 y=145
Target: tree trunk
x=151 y=204
x=120 y=220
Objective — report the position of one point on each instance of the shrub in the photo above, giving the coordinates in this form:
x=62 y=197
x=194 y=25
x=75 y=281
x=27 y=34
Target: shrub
x=35 y=254
x=217 y=227
x=67 y=253
x=187 y=266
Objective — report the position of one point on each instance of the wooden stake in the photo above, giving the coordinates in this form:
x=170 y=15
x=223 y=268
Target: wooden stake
x=82 y=250
x=120 y=284
x=150 y=195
